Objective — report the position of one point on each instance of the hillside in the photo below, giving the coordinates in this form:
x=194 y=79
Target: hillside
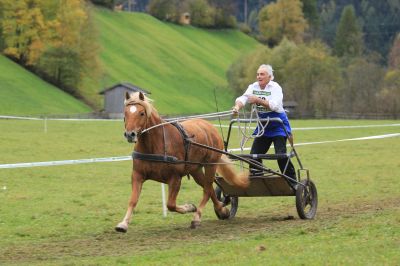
x=180 y=65
x=23 y=93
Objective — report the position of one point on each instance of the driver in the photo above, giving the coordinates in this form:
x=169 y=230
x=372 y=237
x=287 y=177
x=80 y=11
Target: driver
x=267 y=95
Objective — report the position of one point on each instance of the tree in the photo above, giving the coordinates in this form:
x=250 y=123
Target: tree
x=201 y=13
x=252 y=21
x=72 y=51
x=282 y=19
x=164 y=9
x=363 y=79
x=224 y=13
x=388 y=99
x=24 y=30
x=394 y=55
x=312 y=79
x=348 y=42
x=310 y=12
x=327 y=22
x=106 y=3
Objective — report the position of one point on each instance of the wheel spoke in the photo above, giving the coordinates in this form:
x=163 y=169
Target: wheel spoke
x=306 y=200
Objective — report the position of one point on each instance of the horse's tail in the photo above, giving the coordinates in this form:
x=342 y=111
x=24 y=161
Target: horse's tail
x=227 y=171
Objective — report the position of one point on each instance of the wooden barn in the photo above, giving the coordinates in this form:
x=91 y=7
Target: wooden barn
x=114 y=98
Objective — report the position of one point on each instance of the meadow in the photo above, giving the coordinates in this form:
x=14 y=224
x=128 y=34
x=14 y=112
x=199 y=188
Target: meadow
x=177 y=64
x=23 y=93
x=65 y=215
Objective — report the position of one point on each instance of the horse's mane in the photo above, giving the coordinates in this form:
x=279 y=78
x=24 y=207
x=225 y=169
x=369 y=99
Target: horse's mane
x=146 y=102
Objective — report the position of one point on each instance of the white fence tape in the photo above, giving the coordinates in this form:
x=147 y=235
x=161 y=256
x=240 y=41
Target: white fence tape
x=56 y=119
x=88 y=119
x=126 y=158
x=78 y=161
x=329 y=127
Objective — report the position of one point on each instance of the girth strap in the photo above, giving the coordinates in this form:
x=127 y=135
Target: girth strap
x=164 y=157
x=155 y=157
x=185 y=137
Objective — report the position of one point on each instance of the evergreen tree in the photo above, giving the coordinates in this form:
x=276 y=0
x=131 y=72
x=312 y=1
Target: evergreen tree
x=310 y=12
x=348 y=42
x=328 y=22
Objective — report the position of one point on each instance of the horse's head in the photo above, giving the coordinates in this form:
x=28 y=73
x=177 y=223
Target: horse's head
x=137 y=113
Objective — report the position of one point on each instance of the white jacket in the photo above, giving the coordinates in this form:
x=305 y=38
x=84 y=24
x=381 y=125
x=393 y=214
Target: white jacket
x=272 y=92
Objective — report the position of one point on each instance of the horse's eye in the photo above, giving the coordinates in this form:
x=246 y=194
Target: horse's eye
x=142 y=114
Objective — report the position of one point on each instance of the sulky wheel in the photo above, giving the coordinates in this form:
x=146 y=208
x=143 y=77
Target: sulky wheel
x=227 y=200
x=306 y=199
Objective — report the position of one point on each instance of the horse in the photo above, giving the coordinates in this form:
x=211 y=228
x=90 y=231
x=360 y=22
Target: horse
x=164 y=153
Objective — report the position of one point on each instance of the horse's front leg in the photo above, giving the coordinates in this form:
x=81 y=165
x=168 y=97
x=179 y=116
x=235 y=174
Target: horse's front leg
x=137 y=183
x=174 y=185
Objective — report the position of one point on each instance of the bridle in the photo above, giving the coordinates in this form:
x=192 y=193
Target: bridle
x=142 y=130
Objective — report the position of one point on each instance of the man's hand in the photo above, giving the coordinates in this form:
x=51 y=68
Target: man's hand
x=235 y=109
x=253 y=99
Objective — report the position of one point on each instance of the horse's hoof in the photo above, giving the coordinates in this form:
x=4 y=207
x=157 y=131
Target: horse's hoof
x=191 y=207
x=122 y=228
x=194 y=224
x=225 y=213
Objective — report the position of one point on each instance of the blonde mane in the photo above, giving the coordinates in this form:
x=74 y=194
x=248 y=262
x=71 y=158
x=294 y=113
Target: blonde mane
x=146 y=102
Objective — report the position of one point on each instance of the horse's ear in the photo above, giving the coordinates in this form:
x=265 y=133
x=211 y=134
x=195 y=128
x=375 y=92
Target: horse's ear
x=127 y=96
x=141 y=96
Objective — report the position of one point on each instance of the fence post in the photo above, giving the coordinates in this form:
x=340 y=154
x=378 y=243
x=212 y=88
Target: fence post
x=164 y=206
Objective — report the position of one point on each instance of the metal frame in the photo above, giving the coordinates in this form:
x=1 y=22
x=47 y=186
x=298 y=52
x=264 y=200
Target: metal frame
x=271 y=182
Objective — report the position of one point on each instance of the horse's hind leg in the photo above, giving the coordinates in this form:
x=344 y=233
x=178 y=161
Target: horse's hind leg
x=137 y=182
x=205 y=180
x=174 y=185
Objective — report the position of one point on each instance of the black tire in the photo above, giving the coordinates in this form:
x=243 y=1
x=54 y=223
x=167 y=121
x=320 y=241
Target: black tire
x=227 y=200
x=306 y=199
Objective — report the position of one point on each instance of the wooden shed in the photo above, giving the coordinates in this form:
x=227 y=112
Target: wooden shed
x=114 y=98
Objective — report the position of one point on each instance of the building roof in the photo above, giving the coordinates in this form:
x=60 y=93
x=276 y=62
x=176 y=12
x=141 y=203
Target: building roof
x=126 y=85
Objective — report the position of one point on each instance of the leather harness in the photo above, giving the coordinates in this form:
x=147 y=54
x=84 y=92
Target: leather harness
x=164 y=157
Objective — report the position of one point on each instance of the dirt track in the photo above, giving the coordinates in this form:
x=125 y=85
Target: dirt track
x=111 y=243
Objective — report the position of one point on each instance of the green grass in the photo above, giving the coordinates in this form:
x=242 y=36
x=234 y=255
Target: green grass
x=180 y=65
x=64 y=215
x=23 y=93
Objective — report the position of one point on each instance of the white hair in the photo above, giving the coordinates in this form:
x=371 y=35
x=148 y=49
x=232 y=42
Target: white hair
x=269 y=70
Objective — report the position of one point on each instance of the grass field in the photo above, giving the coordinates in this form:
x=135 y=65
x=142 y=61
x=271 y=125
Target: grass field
x=177 y=64
x=23 y=93
x=65 y=215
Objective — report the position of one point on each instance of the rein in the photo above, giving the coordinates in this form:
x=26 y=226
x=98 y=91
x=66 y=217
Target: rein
x=184 y=118
x=186 y=140
x=168 y=158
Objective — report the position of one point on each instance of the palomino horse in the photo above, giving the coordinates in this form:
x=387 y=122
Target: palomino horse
x=161 y=143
